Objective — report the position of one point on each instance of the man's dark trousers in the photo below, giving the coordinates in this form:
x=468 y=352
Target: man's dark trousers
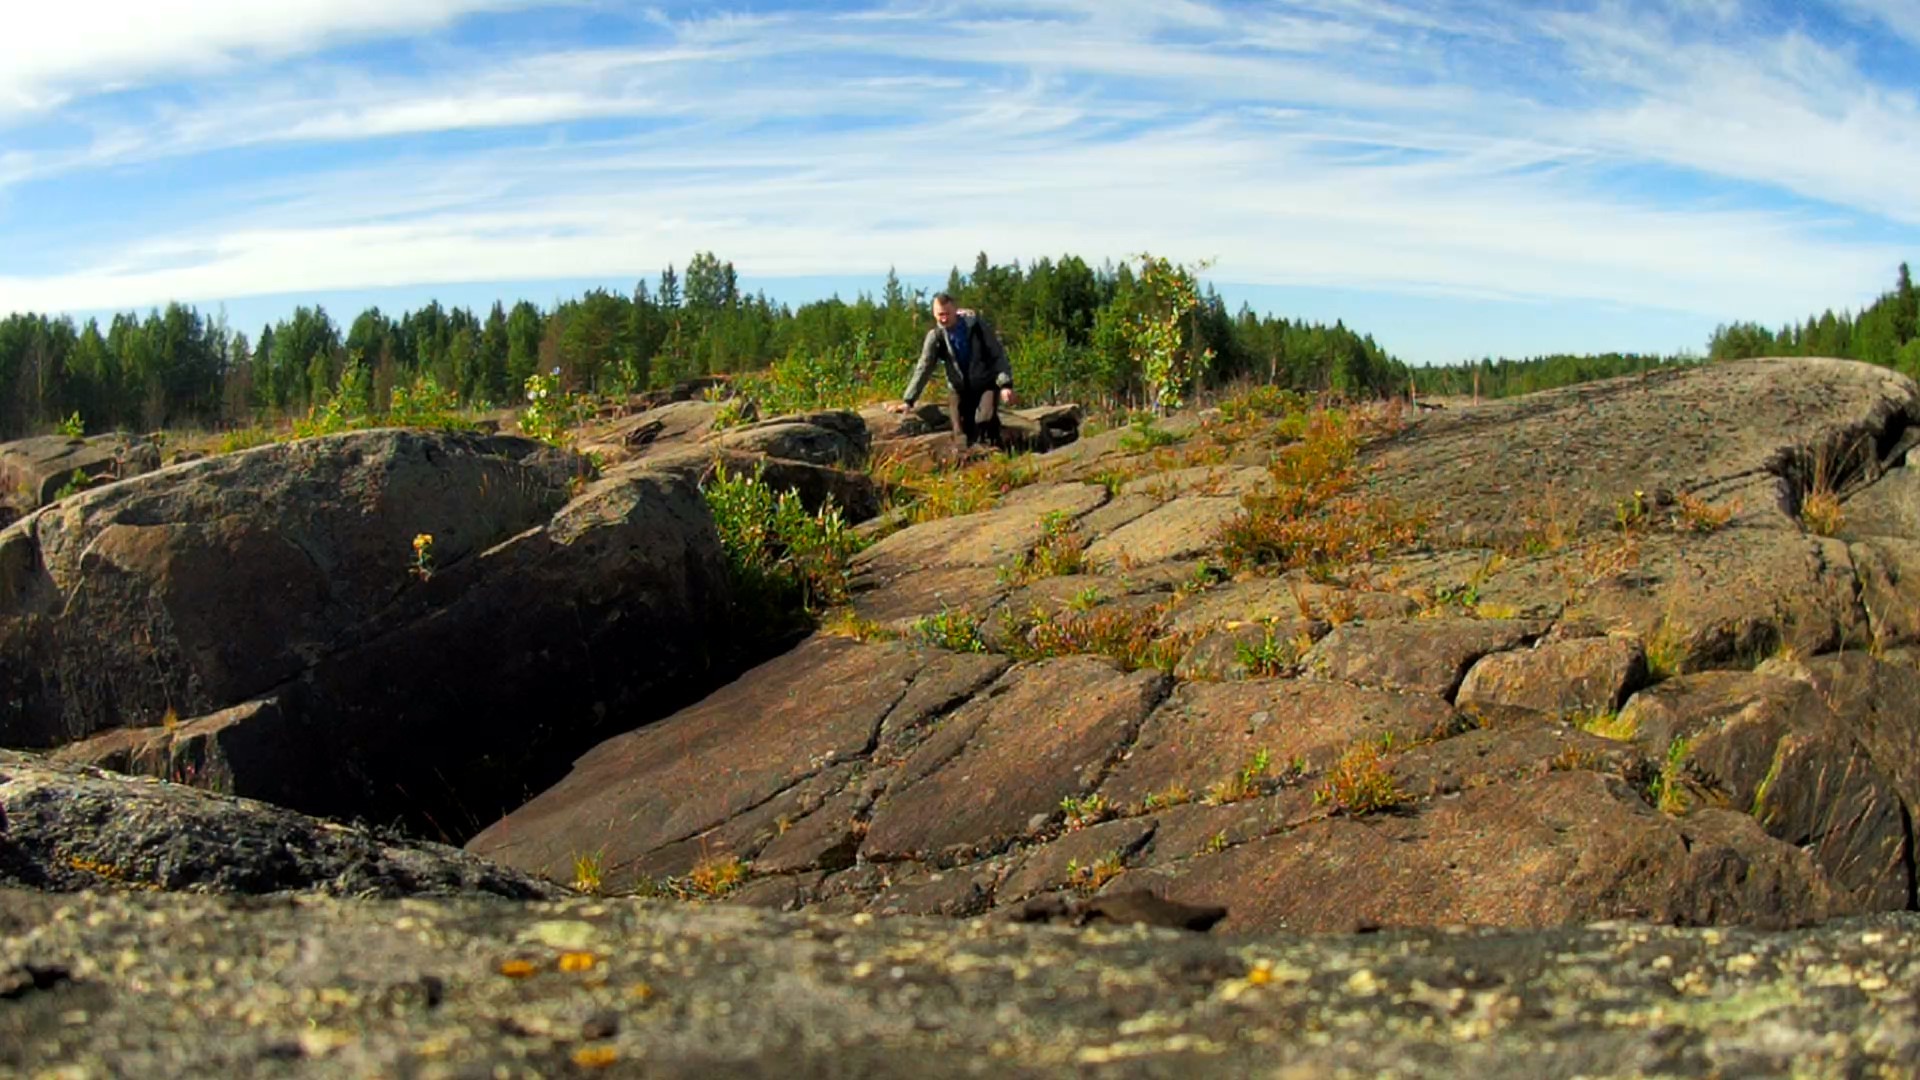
x=976 y=413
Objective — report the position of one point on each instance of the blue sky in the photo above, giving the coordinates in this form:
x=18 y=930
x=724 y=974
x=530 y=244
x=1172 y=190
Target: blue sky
x=1458 y=178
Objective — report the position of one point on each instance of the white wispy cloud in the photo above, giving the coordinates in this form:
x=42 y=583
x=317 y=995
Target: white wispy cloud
x=1459 y=148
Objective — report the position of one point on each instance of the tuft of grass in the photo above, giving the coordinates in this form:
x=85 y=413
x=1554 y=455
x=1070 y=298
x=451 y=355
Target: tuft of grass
x=717 y=875
x=586 y=873
x=1131 y=636
x=1086 y=599
x=847 y=623
x=1575 y=759
x=1087 y=880
x=1061 y=551
x=1667 y=791
x=1822 y=513
x=953 y=629
x=1272 y=655
x=1175 y=794
x=1548 y=524
x=1249 y=782
x=1360 y=782
x=1693 y=514
x=1607 y=723
x=1666 y=649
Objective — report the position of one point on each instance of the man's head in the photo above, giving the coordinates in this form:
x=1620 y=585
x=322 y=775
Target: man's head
x=944 y=310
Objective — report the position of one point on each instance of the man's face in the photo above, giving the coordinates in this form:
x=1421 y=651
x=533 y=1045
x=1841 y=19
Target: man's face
x=944 y=314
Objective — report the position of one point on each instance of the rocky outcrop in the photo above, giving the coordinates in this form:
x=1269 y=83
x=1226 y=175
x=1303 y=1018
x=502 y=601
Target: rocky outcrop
x=1456 y=733
x=394 y=683
x=65 y=827
x=38 y=468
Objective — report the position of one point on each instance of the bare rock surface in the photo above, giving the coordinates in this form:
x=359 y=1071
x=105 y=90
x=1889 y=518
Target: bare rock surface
x=1452 y=734
x=180 y=986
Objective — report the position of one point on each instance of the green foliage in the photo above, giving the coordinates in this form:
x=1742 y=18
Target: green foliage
x=1061 y=551
x=72 y=427
x=346 y=410
x=1161 y=333
x=1270 y=656
x=1084 y=810
x=423 y=404
x=552 y=412
x=1110 y=336
x=956 y=630
x=783 y=557
x=75 y=484
x=1143 y=433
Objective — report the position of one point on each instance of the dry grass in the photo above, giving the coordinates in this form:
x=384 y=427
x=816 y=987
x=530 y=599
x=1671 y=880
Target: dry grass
x=1315 y=515
x=716 y=875
x=943 y=493
x=1131 y=636
x=1360 y=782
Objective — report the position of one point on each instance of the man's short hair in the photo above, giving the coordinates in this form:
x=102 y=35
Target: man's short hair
x=943 y=298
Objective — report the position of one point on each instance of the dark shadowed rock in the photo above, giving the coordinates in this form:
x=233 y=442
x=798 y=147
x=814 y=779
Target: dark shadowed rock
x=284 y=572
x=669 y=782
x=68 y=827
x=1771 y=746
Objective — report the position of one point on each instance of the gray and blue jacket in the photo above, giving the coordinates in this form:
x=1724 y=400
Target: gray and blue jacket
x=985 y=363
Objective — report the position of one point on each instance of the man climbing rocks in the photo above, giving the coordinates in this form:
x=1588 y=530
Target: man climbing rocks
x=977 y=371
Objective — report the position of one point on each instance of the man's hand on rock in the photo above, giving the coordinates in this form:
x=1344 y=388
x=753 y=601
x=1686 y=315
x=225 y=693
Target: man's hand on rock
x=1006 y=395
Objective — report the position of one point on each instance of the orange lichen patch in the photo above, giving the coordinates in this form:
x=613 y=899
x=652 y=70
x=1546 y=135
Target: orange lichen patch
x=518 y=969
x=595 y=1057
x=578 y=961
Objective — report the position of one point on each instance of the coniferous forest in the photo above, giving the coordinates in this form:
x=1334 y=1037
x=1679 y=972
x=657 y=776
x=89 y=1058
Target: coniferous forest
x=1072 y=330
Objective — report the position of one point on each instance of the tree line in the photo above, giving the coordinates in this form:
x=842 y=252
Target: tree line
x=1073 y=331
x=1886 y=332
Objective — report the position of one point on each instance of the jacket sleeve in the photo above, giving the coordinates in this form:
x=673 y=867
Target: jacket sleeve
x=997 y=353
x=921 y=370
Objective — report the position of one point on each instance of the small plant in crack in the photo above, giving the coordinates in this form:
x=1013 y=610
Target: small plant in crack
x=1170 y=796
x=1249 y=782
x=1084 y=810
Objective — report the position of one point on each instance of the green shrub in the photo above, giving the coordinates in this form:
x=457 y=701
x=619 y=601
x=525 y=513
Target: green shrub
x=782 y=556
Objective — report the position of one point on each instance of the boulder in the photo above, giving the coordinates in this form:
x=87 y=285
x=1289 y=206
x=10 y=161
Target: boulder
x=288 y=572
x=39 y=467
x=69 y=827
